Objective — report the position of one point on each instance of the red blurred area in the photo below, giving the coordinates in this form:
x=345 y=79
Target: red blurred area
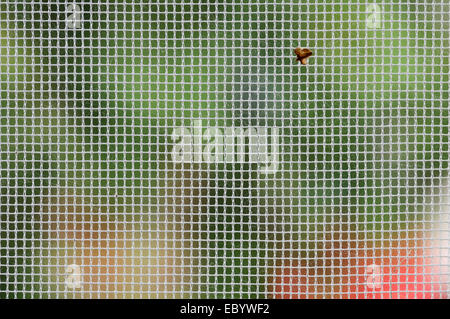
x=348 y=268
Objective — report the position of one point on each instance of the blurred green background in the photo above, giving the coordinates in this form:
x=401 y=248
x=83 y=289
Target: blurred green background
x=364 y=126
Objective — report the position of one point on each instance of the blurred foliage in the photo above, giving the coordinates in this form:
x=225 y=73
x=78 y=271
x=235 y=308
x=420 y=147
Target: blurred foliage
x=364 y=127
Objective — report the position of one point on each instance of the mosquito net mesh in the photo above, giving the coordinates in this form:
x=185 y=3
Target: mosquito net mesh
x=179 y=149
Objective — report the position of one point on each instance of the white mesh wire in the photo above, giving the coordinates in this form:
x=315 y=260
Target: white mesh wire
x=178 y=149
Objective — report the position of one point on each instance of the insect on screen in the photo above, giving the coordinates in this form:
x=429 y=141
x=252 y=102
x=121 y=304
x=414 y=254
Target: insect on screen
x=224 y=149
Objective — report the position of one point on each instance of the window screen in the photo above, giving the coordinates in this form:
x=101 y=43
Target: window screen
x=178 y=149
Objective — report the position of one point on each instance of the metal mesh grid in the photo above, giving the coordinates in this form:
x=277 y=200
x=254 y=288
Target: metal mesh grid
x=177 y=149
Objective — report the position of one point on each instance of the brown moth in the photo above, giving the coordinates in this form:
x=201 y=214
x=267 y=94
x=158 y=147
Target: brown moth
x=302 y=54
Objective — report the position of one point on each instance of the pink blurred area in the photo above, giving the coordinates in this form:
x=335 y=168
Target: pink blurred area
x=406 y=269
